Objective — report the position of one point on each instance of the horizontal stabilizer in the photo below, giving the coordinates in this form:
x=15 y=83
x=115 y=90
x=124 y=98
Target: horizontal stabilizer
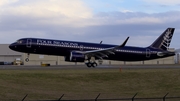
x=177 y=50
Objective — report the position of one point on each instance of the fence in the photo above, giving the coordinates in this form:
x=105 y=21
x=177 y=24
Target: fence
x=133 y=98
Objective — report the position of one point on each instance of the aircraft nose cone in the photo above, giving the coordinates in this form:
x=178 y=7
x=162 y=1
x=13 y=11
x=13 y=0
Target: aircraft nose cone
x=12 y=46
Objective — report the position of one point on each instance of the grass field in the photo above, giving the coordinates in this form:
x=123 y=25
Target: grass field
x=88 y=83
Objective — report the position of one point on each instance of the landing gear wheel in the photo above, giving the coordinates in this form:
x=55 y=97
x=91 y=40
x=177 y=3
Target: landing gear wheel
x=94 y=64
x=88 y=65
x=27 y=59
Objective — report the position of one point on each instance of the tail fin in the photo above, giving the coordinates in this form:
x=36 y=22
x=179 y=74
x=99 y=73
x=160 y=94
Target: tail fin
x=163 y=41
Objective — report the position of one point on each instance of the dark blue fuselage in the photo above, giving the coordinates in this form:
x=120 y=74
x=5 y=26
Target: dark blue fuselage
x=63 y=48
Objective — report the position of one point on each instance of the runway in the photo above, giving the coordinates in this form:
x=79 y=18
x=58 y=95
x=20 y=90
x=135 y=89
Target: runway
x=22 y=67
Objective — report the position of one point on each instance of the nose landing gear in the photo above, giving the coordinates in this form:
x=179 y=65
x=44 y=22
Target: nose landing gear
x=27 y=59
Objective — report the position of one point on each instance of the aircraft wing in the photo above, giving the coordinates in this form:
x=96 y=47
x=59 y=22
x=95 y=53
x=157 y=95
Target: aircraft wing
x=103 y=52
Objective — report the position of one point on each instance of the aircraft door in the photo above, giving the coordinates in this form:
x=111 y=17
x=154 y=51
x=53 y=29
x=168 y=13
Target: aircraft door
x=29 y=42
x=148 y=53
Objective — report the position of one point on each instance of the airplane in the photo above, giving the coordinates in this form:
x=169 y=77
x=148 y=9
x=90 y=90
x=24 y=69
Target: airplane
x=83 y=51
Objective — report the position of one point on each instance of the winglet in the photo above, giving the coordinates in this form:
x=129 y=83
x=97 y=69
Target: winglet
x=123 y=44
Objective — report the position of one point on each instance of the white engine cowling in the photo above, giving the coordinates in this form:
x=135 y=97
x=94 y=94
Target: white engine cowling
x=75 y=57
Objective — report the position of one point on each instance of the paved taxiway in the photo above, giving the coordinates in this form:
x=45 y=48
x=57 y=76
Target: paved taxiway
x=11 y=67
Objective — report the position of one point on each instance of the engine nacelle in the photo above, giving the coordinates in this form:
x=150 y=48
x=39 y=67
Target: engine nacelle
x=75 y=57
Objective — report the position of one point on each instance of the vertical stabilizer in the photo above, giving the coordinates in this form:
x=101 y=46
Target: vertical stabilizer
x=163 y=41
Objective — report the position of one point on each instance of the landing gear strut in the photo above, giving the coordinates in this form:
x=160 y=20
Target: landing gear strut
x=27 y=59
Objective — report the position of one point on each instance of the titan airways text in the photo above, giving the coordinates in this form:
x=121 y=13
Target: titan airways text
x=82 y=51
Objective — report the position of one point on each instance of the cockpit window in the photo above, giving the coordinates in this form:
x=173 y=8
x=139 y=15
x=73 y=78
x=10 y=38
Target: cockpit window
x=19 y=41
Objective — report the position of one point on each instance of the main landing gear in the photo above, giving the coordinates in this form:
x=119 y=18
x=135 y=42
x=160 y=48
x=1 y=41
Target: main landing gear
x=27 y=59
x=91 y=64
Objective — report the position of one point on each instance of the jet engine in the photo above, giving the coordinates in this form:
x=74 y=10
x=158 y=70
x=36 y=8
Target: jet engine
x=75 y=57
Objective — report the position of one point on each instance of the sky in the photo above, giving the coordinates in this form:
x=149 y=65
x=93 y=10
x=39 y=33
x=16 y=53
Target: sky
x=110 y=21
